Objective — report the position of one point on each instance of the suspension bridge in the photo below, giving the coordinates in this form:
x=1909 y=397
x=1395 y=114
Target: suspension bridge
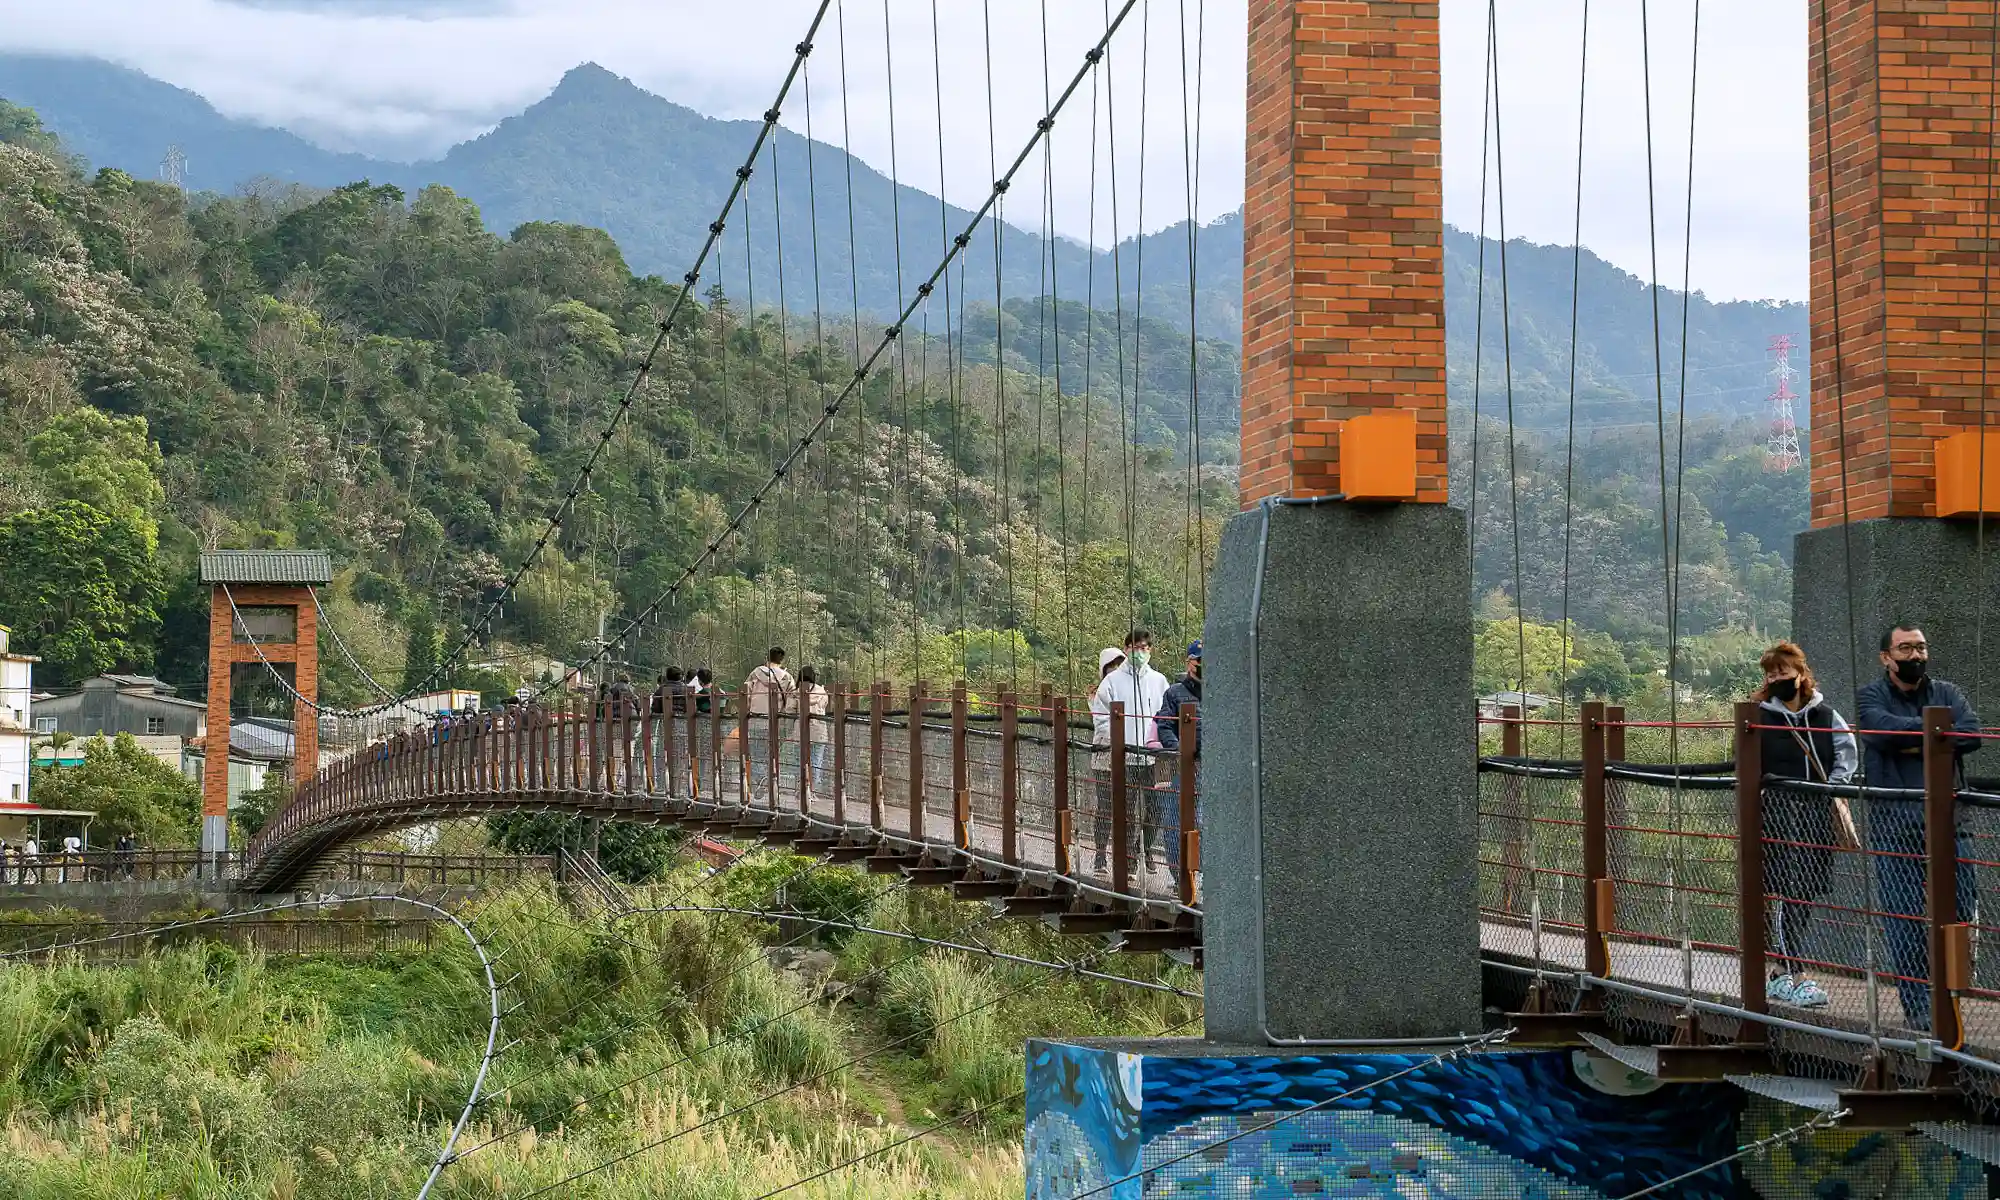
x=1376 y=886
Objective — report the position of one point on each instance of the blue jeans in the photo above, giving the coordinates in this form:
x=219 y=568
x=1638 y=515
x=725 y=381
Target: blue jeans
x=1896 y=835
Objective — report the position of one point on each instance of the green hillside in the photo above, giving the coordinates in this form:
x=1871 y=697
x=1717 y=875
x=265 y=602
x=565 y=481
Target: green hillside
x=389 y=380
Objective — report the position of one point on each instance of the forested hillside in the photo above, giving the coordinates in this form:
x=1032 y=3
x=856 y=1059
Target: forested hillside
x=382 y=375
x=387 y=379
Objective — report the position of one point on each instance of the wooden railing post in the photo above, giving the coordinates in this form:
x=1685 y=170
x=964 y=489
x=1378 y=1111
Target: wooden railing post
x=805 y=749
x=1510 y=731
x=647 y=719
x=840 y=754
x=961 y=771
x=1010 y=731
x=743 y=789
x=1059 y=768
x=1597 y=893
x=878 y=703
x=1190 y=833
x=1941 y=865
x=773 y=741
x=1121 y=816
x=695 y=769
x=917 y=760
x=716 y=699
x=1750 y=899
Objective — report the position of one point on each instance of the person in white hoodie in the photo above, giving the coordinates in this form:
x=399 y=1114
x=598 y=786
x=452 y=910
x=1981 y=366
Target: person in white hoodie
x=1802 y=828
x=1142 y=690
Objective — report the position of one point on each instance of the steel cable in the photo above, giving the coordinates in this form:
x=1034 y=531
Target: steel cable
x=894 y=332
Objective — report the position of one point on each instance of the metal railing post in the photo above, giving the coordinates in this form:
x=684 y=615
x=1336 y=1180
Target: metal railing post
x=1121 y=857
x=1010 y=757
x=1190 y=833
x=961 y=771
x=1519 y=827
x=917 y=760
x=1597 y=893
x=1941 y=866
x=1750 y=897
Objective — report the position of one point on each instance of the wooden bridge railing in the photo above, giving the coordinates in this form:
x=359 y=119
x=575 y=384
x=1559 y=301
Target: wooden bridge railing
x=1012 y=782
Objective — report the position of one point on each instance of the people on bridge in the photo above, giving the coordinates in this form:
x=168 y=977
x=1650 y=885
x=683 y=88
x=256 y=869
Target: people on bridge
x=1142 y=690
x=1891 y=712
x=769 y=689
x=1805 y=739
x=813 y=703
x=1186 y=692
x=125 y=852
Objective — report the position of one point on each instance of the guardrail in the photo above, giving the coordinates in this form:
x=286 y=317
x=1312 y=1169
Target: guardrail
x=119 y=941
x=1014 y=789
x=148 y=865
x=1697 y=884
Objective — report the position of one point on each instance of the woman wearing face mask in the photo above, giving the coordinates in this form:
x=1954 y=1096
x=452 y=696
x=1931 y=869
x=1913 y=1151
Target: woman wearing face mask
x=1807 y=740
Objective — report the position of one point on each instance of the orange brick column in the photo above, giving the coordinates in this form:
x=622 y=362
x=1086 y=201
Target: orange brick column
x=1904 y=255
x=1343 y=276
x=224 y=652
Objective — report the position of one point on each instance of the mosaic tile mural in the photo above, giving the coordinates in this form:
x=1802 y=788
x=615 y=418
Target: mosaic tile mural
x=1508 y=1125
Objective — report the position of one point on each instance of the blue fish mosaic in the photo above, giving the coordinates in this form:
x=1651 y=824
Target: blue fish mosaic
x=1511 y=1125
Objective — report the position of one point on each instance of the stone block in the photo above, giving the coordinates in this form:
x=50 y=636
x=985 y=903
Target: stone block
x=1363 y=743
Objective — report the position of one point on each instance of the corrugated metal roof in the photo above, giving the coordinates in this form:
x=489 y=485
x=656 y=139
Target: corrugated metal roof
x=266 y=566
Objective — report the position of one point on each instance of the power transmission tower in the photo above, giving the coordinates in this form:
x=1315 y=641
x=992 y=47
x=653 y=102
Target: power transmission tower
x=1781 y=450
x=173 y=168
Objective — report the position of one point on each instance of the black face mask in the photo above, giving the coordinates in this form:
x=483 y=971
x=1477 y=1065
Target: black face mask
x=1784 y=691
x=1912 y=670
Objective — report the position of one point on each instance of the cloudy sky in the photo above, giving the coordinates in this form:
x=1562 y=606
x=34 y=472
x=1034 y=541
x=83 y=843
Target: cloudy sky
x=408 y=78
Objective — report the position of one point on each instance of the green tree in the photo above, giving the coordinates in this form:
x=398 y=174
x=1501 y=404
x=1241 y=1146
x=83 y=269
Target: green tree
x=23 y=127
x=129 y=790
x=631 y=852
x=107 y=462
x=253 y=808
x=81 y=589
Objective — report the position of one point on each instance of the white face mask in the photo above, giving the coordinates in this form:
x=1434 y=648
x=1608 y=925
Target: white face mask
x=1141 y=659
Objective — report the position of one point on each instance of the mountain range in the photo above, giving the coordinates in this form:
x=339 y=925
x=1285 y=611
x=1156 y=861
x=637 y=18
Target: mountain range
x=600 y=151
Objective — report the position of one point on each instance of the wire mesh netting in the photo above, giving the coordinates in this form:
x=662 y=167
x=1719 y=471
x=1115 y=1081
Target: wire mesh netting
x=1672 y=854
x=1531 y=882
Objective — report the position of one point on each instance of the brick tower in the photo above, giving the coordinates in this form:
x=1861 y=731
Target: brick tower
x=1313 y=607
x=1902 y=221
x=272 y=589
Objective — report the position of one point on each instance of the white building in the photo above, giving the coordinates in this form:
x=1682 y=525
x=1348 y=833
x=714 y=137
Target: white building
x=17 y=682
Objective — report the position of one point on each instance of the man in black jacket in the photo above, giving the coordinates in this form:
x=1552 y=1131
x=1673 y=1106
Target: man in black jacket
x=1187 y=691
x=1890 y=714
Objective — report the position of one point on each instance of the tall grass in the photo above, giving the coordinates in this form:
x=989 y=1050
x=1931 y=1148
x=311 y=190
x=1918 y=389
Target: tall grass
x=199 y=1071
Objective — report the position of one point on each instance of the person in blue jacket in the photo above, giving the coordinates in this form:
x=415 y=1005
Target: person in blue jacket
x=1187 y=691
x=1890 y=713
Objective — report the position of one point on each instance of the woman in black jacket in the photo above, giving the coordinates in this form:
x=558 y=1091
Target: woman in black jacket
x=1804 y=739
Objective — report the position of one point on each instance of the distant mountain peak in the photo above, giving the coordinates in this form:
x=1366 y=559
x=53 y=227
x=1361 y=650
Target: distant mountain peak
x=591 y=81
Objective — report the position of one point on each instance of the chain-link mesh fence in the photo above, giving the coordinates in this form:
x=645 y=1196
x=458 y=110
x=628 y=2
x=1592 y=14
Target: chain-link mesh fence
x=1672 y=858
x=1531 y=881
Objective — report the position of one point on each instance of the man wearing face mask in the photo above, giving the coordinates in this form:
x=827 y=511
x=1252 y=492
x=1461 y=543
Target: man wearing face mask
x=1142 y=690
x=1891 y=715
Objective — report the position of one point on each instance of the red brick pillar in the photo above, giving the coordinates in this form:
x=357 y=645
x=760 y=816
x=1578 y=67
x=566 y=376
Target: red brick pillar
x=215 y=745
x=1912 y=148
x=1343 y=303
x=305 y=669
